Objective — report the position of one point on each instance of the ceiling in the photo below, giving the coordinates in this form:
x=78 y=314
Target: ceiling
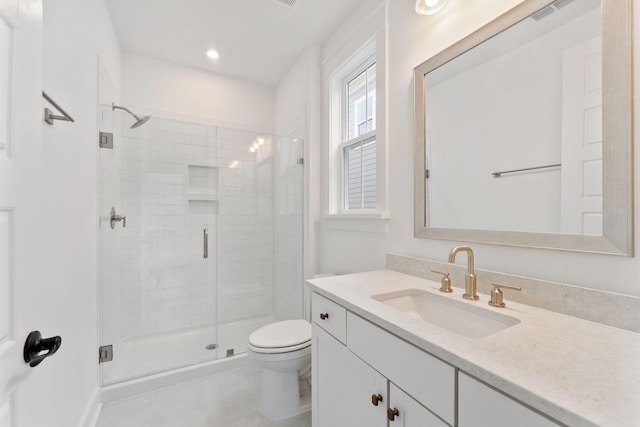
x=258 y=40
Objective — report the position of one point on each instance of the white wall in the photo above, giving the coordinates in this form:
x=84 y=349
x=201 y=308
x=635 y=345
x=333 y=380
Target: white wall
x=297 y=114
x=75 y=33
x=412 y=39
x=174 y=88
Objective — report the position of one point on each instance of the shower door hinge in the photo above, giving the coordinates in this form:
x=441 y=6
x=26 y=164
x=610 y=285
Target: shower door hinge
x=105 y=354
x=300 y=160
x=106 y=140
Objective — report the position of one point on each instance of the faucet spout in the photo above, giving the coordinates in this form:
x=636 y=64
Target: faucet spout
x=469 y=251
x=470 y=286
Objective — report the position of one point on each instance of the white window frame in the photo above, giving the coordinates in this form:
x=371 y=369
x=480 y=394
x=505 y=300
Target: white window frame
x=368 y=43
x=346 y=142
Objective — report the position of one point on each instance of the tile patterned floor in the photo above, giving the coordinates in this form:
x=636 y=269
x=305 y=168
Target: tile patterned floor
x=229 y=399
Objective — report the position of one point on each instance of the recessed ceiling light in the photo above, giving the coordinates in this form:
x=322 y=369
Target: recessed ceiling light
x=430 y=7
x=212 y=53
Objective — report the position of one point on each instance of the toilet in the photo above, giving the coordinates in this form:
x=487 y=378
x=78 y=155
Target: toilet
x=283 y=349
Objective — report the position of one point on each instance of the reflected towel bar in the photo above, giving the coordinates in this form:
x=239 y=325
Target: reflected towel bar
x=49 y=117
x=500 y=173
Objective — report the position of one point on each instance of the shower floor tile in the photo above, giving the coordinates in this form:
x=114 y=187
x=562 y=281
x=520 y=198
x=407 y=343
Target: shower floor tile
x=228 y=399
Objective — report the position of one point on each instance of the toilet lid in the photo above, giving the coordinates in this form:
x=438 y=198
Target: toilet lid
x=282 y=334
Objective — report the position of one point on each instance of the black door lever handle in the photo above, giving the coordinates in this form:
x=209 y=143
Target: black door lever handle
x=35 y=345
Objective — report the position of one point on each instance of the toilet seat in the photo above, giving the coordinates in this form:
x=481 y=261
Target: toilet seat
x=281 y=337
x=279 y=349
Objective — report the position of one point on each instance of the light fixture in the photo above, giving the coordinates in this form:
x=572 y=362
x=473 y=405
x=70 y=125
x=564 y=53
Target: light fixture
x=260 y=140
x=429 y=7
x=252 y=149
x=212 y=53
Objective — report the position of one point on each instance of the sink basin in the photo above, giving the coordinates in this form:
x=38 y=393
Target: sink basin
x=461 y=318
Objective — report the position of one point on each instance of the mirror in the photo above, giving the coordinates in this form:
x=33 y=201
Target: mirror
x=523 y=131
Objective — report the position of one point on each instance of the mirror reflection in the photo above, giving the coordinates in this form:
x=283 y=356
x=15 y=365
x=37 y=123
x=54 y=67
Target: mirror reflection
x=514 y=128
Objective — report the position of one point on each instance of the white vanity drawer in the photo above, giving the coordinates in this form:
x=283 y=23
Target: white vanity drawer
x=329 y=316
x=427 y=379
x=481 y=406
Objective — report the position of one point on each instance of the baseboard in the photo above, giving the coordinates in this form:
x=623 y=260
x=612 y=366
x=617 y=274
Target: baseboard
x=92 y=412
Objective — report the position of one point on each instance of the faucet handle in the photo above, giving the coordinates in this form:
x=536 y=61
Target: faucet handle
x=497 y=295
x=446 y=282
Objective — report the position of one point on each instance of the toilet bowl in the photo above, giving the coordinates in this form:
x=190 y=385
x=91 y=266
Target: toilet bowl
x=283 y=349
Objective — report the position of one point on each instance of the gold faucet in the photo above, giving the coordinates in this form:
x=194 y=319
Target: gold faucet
x=470 y=292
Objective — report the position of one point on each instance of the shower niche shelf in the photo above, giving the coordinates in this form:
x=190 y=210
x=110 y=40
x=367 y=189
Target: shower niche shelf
x=203 y=190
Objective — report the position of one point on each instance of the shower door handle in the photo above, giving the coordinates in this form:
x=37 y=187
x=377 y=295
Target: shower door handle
x=205 y=238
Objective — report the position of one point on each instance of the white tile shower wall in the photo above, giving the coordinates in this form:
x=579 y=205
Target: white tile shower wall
x=245 y=227
x=167 y=284
x=288 y=241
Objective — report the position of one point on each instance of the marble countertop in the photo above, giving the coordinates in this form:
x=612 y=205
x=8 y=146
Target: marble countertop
x=578 y=372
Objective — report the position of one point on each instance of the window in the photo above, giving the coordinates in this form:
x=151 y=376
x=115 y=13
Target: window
x=358 y=148
x=354 y=76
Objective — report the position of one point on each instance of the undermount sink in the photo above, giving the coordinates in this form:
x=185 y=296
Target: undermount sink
x=462 y=318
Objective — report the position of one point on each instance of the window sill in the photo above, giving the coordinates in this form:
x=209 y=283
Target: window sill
x=368 y=222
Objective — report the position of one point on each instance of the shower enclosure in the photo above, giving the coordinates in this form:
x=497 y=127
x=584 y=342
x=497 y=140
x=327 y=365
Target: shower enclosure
x=212 y=247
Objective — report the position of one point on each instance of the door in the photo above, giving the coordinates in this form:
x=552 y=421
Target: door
x=20 y=156
x=347 y=392
x=581 y=209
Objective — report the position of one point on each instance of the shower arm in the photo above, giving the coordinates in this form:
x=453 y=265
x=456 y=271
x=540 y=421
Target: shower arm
x=117 y=107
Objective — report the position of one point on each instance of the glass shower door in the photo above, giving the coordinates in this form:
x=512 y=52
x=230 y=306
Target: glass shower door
x=260 y=275
x=158 y=274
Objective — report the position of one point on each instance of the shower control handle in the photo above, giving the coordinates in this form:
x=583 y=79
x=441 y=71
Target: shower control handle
x=205 y=239
x=115 y=218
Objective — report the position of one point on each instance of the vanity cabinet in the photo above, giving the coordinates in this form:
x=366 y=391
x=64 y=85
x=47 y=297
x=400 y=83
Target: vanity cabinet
x=482 y=406
x=352 y=384
x=427 y=379
x=363 y=375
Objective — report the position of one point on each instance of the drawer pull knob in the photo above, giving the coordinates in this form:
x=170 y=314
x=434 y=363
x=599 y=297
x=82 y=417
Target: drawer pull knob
x=375 y=399
x=324 y=316
x=392 y=413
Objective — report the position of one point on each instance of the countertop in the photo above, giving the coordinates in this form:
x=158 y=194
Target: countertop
x=578 y=372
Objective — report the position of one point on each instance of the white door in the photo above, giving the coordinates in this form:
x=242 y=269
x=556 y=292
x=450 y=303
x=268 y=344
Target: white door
x=20 y=157
x=581 y=208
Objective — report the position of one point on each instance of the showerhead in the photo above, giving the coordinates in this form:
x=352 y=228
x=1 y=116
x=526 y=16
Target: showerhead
x=139 y=120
